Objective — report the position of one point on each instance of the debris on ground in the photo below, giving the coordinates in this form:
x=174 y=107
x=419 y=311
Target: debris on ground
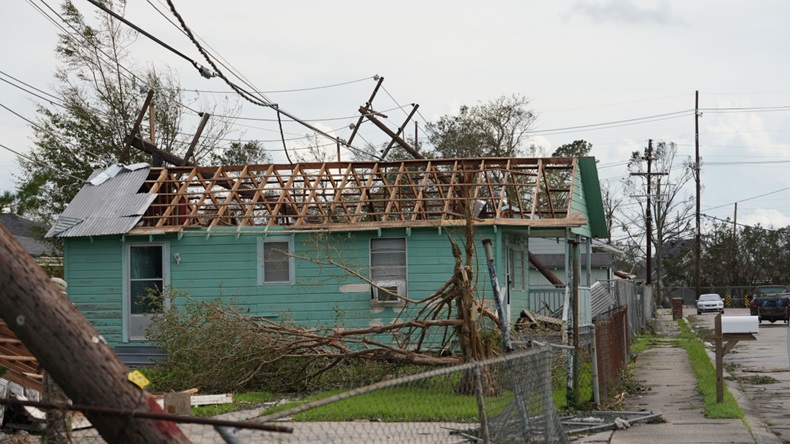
x=598 y=420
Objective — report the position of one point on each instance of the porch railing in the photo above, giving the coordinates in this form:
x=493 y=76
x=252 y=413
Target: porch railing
x=549 y=302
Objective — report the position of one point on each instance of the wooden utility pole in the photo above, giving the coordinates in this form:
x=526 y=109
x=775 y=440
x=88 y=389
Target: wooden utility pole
x=544 y=270
x=648 y=210
x=659 y=240
x=152 y=122
x=649 y=157
x=735 y=222
x=73 y=352
x=697 y=237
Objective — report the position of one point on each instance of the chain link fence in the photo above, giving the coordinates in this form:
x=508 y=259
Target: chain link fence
x=612 y=349
x=506 y=399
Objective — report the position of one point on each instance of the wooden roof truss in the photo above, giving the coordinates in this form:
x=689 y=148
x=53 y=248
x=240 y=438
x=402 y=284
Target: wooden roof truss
x=351 y=195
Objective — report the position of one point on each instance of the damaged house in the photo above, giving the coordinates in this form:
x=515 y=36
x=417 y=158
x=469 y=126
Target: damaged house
x=315 y=242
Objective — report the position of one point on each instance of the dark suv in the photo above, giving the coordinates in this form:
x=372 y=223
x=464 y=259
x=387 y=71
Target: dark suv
x=770 y=303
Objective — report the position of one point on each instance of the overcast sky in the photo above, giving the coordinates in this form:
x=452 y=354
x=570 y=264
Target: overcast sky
x=634 y=65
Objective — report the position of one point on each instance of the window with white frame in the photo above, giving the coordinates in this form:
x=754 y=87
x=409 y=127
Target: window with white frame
x=388 y=269
x=275 y=260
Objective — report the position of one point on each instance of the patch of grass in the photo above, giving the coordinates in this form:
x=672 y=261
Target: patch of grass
x=399 y=404
x=241 y=401
x=705 y=373
x=559 y=390
x=643 y=342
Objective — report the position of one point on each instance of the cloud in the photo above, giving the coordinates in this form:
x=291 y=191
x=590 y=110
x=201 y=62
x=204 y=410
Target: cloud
x=742 y=134
x=624 y=11
x=767 y=218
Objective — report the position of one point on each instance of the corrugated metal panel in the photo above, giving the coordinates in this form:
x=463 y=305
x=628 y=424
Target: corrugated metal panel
x=112 y=207
x=602 y=299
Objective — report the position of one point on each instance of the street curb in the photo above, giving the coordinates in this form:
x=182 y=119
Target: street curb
x=760 y=431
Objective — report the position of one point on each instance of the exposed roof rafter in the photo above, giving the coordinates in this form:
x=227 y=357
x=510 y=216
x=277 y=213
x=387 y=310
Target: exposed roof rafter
x=352 y=195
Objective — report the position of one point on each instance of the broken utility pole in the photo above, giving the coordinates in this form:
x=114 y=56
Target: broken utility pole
x=73 y=352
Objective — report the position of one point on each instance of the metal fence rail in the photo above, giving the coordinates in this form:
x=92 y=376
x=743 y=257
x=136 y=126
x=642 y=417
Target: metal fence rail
x=505 y=399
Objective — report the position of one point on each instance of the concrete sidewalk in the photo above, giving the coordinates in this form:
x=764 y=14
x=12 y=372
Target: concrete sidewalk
x=671 y=390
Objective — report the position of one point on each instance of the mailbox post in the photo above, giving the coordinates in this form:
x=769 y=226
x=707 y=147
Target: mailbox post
x=730 y=329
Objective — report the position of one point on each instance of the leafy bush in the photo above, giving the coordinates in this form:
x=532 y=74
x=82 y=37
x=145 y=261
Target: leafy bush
x=211 y=346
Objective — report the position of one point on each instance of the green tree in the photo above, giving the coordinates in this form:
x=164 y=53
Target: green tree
x=250 y=152
x=101 y=92
x=498 y=128
x=577 y=148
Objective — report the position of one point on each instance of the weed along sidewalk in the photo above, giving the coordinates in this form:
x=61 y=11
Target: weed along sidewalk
x=677 y=379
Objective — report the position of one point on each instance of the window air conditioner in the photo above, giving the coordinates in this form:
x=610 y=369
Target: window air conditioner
x=397 y=287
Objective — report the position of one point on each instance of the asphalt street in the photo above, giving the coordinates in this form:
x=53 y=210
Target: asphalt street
x=762 y=368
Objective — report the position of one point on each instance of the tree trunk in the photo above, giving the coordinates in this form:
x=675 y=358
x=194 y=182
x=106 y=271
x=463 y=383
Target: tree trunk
x=72 y=352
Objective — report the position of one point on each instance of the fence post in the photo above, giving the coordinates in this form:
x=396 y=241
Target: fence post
x=481 y=407
x=594 y=353
x=506 y=344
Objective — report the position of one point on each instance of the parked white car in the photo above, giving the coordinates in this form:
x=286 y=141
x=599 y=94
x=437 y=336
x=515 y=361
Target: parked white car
x=710 y=302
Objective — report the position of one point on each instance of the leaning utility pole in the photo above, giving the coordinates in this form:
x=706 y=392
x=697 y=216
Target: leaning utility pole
x=697 y=239
x=73 y=352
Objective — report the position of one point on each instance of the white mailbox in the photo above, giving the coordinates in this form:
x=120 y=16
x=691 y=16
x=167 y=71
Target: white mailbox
x=739 y=324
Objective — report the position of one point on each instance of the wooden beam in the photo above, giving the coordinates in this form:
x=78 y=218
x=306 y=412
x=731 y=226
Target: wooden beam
x=128 y=141
x=545 y=270
x=148 y=147
x=17 y=358
x=195 y=138
x=400 y=130
x=368 y=104
x=416 y=154
x=69 y=348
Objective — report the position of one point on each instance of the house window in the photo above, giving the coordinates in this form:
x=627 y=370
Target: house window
x=276 y=261
x=523 y=273
x=147 y=277
x=388 y=268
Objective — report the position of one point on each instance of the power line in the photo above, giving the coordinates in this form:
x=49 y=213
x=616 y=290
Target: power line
x=203 y=71
x=31 y=92
x=221 y=60
x=243 y=93
x=615 y=104
x=77 y=36
x=616 y=123
x=281 y=91
x=46 y=130
x=751 y=109
x=328 y=119
x=41 y=164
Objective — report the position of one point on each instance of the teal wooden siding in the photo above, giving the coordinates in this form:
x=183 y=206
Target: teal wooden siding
x=93 y=275
x=224 y=265
x=579 y=204
x=518 y=290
